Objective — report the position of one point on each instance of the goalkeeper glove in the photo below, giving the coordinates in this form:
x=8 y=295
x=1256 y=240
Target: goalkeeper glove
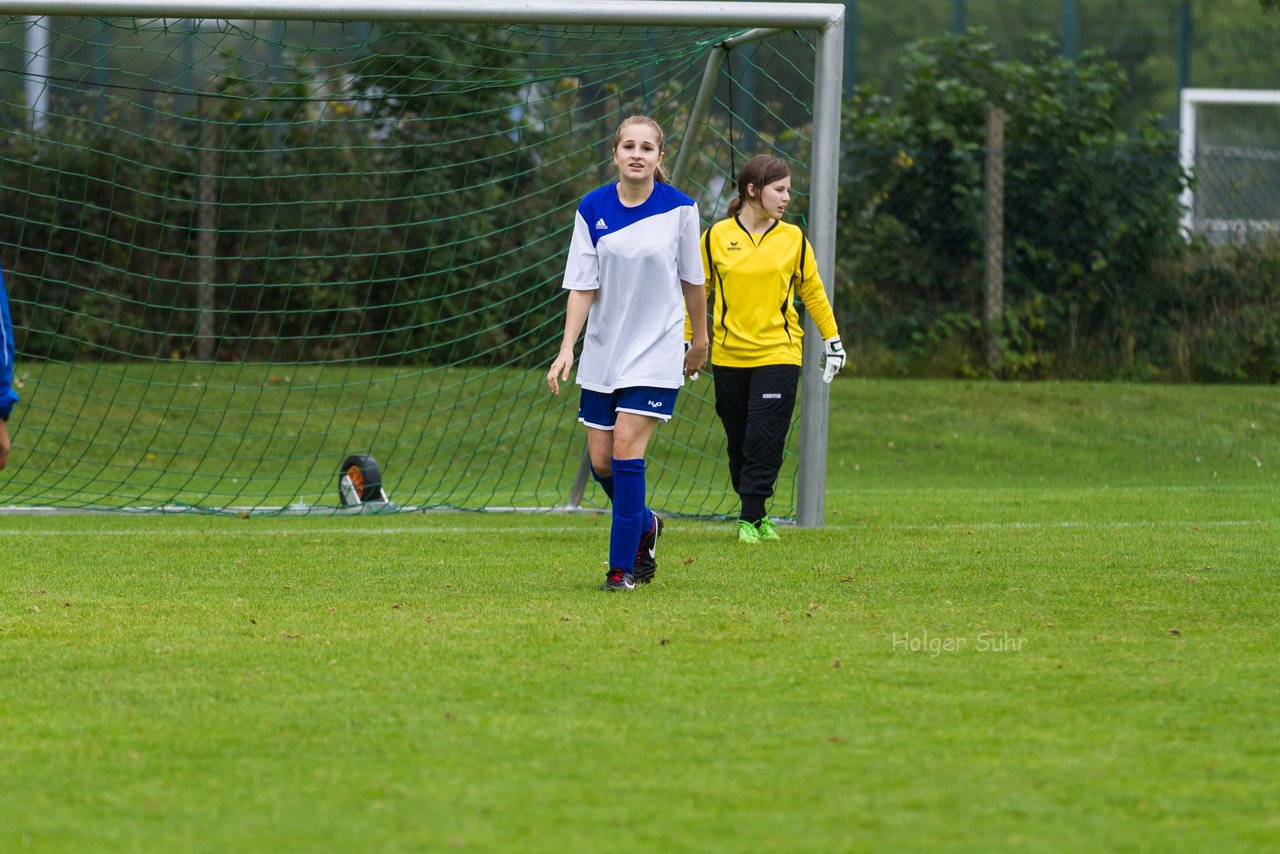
x=835 y=358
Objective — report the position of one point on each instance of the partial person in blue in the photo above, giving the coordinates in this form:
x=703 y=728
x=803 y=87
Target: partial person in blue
x=8 y=397
x=634 y=269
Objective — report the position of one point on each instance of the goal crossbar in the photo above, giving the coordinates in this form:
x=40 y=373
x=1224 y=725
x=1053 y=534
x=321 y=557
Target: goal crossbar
x=622 y=12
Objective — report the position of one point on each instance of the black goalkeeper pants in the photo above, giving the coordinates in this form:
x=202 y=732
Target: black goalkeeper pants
x=755 y=406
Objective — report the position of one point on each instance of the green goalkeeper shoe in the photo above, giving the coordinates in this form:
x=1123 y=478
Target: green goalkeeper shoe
x=767 y=530
x=747 y=532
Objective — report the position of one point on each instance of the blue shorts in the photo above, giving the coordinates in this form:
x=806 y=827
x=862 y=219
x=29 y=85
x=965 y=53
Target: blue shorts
x=600 y=409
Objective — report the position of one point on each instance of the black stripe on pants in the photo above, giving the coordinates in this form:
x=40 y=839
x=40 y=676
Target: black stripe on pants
x=755 y=406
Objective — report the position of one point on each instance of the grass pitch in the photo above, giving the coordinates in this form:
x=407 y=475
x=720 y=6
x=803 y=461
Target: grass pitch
x=1040 y=616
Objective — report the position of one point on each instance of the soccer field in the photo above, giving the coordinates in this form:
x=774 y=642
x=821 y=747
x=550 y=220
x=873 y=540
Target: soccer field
x=1039 y=616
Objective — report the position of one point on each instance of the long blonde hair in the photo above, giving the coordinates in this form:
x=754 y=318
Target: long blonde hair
x=759 y=171
x=660 y=174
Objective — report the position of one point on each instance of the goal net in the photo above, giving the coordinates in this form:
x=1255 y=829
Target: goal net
x=1231 y=145
x=240 y=251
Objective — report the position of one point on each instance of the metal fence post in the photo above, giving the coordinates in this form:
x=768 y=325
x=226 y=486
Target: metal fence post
x=993 y=261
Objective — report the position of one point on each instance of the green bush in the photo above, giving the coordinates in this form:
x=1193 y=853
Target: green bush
x=1226 y=323
x=1089 y=210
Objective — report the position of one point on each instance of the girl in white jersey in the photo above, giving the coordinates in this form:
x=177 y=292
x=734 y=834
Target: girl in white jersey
x=634 y=269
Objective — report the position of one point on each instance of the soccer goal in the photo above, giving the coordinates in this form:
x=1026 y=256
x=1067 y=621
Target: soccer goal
x=1230 y=142
x=245 y=243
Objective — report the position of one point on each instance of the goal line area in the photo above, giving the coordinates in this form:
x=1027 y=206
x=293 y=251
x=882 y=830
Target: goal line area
x=699 y=531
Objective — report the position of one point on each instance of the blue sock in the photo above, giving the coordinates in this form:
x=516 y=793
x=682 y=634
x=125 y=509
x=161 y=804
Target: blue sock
x=606 y=483
x=630 y=516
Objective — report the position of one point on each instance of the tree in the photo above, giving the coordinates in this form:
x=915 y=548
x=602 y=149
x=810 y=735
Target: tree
x=1232 y=41
x=1088 y=206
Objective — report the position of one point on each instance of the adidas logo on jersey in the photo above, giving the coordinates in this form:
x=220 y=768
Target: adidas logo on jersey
x=600 y=226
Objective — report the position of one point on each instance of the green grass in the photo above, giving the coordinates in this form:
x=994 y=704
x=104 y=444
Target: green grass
x=1040 y=616
x=229 y=436
x=115 y=435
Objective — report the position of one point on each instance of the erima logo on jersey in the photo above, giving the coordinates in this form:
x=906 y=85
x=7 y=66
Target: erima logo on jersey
x=734 y=247
x=600 y=226
x=771 y=396
x=656 y=404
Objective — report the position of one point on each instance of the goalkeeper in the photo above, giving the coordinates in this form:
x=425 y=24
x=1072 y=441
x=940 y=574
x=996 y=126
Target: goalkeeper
x=755 y=265
x=8 y=397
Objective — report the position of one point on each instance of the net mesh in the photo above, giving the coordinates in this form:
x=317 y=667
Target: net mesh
x=1237 y=171
x=238 y=252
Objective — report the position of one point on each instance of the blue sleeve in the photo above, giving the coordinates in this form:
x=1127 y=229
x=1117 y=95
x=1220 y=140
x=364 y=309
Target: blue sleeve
x=8 y=397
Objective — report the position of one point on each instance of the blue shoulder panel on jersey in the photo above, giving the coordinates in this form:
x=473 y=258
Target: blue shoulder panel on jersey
x=603 y=213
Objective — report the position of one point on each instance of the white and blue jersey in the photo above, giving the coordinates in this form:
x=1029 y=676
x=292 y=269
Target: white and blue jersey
x=8 y=397
x=635 y=258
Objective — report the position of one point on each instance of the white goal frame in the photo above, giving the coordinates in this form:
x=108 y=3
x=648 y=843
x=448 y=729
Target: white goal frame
x=1190 y=100
x=825 y=20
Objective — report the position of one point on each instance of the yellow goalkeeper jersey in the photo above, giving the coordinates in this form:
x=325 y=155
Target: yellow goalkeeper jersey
x=752 y=282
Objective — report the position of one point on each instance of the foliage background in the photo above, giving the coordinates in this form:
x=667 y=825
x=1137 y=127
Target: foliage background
x=342 y=172
x=1099 y=280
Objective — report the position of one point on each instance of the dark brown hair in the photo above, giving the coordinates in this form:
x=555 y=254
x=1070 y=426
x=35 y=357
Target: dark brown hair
x=759 y=171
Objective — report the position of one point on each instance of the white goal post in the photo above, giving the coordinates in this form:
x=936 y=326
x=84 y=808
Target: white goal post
x=824 y=20
x=1195 y=218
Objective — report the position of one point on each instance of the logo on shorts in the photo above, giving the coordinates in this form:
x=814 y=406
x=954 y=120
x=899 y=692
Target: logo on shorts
x=656 y=404
x=772 y=396
x=600 y=226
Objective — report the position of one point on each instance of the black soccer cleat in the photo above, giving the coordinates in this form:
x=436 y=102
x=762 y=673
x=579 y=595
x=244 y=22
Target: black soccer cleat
x=646 y=555
x=619 y=579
